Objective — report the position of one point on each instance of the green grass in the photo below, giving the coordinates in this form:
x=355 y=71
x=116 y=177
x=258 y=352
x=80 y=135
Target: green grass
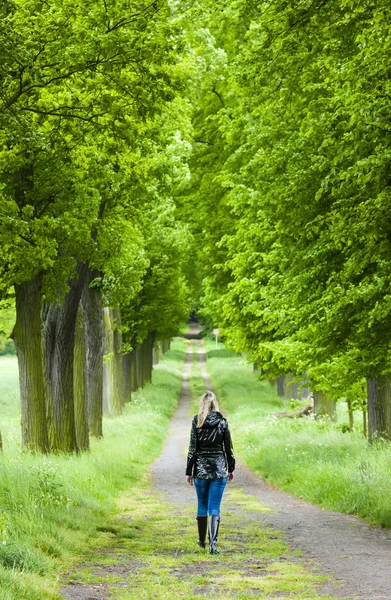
x=54 y=508
x=312 y=460
x=154 y=554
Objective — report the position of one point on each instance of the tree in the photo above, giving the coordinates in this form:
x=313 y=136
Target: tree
x=300 y=274
x=72 y=77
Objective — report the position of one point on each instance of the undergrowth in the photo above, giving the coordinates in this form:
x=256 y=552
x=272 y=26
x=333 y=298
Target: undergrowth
x=54 y=508
x=317 y=461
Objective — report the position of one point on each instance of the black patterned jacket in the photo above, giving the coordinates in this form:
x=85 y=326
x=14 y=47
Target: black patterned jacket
x=210 y=453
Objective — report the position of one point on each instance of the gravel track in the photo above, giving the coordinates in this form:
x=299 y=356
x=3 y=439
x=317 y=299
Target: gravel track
x=355 y=555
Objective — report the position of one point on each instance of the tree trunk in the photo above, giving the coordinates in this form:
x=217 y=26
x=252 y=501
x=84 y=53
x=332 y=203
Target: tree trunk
x=80 y=385
x=379 y=407
x=118 y=361
x=148 y=357
x=139 y=370
x=157 y=352
x=166 y=345
x=28 y=340
x=94 y=332
x=288 y=386
x=59 y=323
x=113 y=381
x=280 y=385
x=364 y=422
x=133 y=371
x=351 y=415
x=108 y=362
x=127 y=367
x=324 y=406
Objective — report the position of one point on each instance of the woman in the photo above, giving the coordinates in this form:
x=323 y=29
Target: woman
x=210 y=463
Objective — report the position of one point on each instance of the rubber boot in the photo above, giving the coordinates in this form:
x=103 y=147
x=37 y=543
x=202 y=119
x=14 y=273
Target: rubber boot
x=202 y=523
x=214 y=523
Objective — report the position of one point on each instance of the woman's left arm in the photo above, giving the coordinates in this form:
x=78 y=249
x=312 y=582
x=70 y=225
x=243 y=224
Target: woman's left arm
x=192 y=453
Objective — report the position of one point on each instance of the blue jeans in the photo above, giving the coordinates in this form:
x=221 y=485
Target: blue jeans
x=209 y=494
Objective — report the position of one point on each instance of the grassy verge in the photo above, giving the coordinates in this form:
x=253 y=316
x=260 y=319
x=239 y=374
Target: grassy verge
x=312 y=460
x=53 y=509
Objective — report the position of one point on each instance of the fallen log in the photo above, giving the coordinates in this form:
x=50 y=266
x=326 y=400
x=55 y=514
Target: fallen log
x=295 y=414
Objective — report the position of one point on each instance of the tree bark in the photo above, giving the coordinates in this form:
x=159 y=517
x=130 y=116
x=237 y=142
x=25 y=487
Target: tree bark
x=324 y=406
x=118 y=361
x=288 y=386
x=379 y=408
x=112 y=369
x=127 y=367
x=80 y=384
x=166 y=345
x=148 y=357
x=280 y=385
x=351 y=415
x=364 y=422
x=94 y=331
x=108 y=376
x=59 y=322
x=28 y=340
x=139 y=369
x=157 y=352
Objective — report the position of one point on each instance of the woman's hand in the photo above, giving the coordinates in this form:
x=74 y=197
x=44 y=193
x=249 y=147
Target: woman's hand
x=189 y=480
x=230 y=477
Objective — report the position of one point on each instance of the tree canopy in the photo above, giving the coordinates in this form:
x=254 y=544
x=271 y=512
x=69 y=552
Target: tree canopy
x=232 y=159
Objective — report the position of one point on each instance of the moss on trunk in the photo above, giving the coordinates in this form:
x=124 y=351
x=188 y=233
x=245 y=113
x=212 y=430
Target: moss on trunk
x=28 y=341
x=59 y=323
x=80 y=385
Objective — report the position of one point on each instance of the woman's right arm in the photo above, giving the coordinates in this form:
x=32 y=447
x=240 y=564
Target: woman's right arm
x=229 y=451
x=192 y=454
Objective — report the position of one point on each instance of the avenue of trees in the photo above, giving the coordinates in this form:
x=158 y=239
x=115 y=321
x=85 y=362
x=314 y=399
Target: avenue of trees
x=229 y=157
x=88 y=156
x=291 y=179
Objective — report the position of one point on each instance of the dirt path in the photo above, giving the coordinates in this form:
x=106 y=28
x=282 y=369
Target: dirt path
x=357 y=555
x=168 y=470
x=152 y=551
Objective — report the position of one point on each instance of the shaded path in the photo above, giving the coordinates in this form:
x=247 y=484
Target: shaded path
x=357 y=555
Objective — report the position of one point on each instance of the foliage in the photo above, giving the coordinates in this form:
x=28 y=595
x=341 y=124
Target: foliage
x=290 y=175
x=87 y=92
x=7 y=321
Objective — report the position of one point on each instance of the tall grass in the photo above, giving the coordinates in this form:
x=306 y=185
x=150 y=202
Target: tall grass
x=313 y=460
x=54 y=508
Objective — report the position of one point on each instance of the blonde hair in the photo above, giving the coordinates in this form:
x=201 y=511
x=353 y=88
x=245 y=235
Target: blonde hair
x=208 y=403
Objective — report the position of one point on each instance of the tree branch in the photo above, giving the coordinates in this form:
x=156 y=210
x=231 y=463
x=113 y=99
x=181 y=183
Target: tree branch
x=219 y=96
x=53 y=113
x=126 y=20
